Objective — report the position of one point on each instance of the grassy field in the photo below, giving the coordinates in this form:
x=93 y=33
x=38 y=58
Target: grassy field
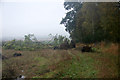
x=72 y=63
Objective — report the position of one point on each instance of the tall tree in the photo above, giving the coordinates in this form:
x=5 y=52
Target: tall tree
x=110 y=20
x=92 y=22
x=69 y=20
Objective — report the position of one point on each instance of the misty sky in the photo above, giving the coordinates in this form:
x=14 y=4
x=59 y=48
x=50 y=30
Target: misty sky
x=39 y=18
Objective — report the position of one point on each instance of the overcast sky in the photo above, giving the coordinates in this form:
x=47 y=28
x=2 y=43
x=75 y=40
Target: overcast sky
x=39 y=18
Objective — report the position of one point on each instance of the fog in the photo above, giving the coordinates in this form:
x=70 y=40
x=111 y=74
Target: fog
x=38 y=18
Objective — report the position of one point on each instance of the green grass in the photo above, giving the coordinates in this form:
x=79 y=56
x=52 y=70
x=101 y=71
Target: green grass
x=82 y=68
x=50 y=63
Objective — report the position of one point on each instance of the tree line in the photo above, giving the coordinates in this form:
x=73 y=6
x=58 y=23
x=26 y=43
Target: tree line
x=90 y=22
x=31 y=43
